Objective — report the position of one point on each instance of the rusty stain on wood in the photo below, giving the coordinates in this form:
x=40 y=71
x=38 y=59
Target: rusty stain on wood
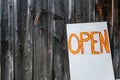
x=99 y=10
x=36 y=20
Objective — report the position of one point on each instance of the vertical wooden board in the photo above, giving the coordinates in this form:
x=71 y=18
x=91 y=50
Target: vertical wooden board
x=44 y=31
x=37 y=54
x=59 y=54
x=28 y=45
x=21 y=23
x=115 y=44
x=57 y=61
x=64 y=42
x=91 y=9
x=107 y=14
x=51 y=25
x=4 y=43
x=41 y=57
x=84 y=10
x=7 y=40
x=66 y=10
x=38 y=7
x=119 y=12
x=44 y=5
x=0 y=37
x=99 y=10
x=71 y=10
x=17 y=62
x=10 y=33
x=103 y=10
x=78 y=12
x=119 y=33
x=81 y=10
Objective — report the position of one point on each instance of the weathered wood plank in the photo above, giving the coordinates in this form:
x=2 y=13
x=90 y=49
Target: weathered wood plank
x=91 y=7
x=41 y=55
x=28 y=45
x=4 y=43
x=0 y=37
x=59 y=54
x=71 y=11
x=51 y=25
x=84 y=10
x=115 y=38
x=78 y=12
x=63 y=43
x=10 y=54
x=119 y=36
x=7 y=41
x=17 y=65
x=21 y=23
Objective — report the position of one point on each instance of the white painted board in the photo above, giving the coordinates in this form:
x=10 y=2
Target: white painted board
x=89 y=51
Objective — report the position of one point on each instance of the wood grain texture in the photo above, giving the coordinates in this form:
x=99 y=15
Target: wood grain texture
x=33 y=42
x=0 y=37
x=115 y=44
x=41 y=56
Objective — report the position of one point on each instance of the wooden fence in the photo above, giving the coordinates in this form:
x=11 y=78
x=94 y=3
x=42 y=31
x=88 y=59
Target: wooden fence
x=33 y=43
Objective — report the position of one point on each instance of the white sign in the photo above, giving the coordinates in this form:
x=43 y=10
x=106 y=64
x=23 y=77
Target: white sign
x=89 y=51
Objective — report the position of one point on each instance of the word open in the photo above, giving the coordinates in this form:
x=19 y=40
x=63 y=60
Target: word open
x=90 y=36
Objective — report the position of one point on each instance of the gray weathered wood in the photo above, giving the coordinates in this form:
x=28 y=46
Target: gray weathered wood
x=0 y=37
x=41 y=56
x=28 y=45
x=115 y=38
x=51 y=25
x=8 y=45
x=59 y=53
x=4 y=43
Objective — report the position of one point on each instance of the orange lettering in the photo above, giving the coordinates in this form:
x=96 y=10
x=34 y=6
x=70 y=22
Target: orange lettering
x=85 y=37
x=93 y=43
x=69 y=44
x=104 y=42
x=84 y=40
